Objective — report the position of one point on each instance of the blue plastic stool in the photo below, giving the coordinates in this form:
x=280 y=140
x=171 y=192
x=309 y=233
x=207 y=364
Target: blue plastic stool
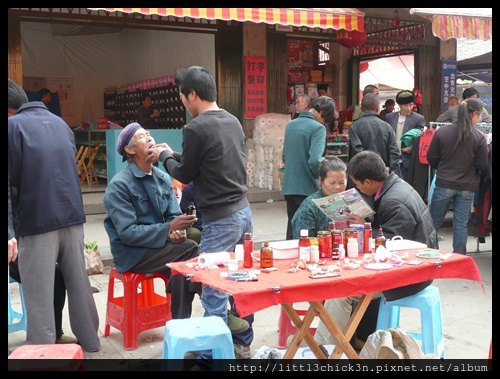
x=196 y=334
x=428 y=303
x=17 y=321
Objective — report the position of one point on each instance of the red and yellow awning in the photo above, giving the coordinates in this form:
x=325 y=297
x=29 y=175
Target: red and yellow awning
x=470 y=23
x=325 y=18
x=446 y=27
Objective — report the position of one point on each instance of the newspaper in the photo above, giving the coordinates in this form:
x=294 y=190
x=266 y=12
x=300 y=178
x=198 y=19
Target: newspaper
x=335 y=206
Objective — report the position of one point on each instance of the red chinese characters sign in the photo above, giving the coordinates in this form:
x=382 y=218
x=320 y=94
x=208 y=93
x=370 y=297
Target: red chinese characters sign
x=255 y=86
x=425 y=141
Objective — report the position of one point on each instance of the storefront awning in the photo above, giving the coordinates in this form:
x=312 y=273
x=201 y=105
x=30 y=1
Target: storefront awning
x=470 y=23
x=325 y=18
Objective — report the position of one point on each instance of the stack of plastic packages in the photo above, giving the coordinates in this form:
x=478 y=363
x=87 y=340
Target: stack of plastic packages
x=264 y=151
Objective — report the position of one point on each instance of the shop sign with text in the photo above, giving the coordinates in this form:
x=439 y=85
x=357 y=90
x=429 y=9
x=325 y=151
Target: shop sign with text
x=255 y=86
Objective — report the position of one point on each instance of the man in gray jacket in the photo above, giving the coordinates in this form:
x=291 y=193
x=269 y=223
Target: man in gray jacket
x=369 y=132
x=451 y=114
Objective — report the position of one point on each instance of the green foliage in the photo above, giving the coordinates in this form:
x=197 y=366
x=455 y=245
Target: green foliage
x=91 y=246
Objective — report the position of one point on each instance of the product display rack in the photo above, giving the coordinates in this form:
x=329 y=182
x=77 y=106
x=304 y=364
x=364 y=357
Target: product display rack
x=121 y=108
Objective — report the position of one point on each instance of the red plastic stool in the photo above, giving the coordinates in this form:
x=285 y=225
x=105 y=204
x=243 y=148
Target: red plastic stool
x=136 y=311
x=63 y=357
x=286 y=327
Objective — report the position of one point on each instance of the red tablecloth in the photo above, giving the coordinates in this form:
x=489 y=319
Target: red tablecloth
x=280 y=287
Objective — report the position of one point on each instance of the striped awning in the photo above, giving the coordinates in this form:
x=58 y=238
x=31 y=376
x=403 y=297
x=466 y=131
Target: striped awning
x=446 y=27
x=325 y=18
x=470 y=23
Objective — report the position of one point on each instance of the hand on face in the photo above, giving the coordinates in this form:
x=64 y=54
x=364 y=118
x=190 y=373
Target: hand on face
x=154 y=153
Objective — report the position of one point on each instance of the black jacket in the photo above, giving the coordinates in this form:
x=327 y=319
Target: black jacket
x=400 y=211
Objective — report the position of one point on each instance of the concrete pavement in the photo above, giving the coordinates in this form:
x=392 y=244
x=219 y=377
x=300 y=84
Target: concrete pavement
x=466 y=305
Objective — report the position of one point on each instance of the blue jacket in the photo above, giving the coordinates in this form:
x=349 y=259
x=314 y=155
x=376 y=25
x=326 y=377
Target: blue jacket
x=45 y=187
x=139 y=208
x=303 y=149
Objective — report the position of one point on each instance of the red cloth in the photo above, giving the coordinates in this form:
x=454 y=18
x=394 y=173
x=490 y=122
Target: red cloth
x=280 y=287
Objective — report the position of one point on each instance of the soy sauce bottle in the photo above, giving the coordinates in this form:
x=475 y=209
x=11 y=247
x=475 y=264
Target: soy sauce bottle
x=191 y=210
x=266 y=256
x=380 y=240
x=247 y=251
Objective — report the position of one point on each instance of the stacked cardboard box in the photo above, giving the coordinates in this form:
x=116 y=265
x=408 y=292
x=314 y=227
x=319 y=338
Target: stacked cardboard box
x=316 y=76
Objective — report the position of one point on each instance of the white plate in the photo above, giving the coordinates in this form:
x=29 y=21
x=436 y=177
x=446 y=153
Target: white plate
x=378 y=266
x=429 y=254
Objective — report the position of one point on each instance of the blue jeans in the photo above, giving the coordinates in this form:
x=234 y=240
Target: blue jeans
x=217 y=236
x=462 y=206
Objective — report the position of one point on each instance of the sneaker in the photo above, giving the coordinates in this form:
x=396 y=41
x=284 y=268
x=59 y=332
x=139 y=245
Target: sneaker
x=66 y=339
x=191 y=355
x=242 y=351
x=235 y=324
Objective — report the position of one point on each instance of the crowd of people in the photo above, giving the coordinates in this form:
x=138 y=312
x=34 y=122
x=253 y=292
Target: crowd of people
x=149 y=227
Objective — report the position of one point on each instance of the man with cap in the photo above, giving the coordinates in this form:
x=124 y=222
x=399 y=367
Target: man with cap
x=407 y=124
x=144 y=222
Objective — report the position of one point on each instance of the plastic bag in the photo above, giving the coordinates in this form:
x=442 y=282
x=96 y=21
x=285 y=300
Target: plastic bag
x=393 y=343
x=431 y=189
x=93 y=262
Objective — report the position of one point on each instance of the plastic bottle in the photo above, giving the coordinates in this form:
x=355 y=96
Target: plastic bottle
x=191 y=210
x=314 y=253
x=266 y=256
x=367 y=236
x=380 y=240
x=247 y=251
x=336 y=251
x=341 y=251
x=352 y=248
x=331 y=225
x=304 y=245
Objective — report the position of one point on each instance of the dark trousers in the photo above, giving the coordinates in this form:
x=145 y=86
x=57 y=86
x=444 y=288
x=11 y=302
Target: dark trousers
x=292 y=204
x=368 y=323
x=182 y=290
x=59 y=293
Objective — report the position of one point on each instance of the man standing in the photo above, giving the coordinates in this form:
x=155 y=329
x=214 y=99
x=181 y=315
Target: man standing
x=302 y=103
x=303 y=152
x=45 y=96
x=451 y=114
x=47 y=207
x=369 y=132
x=144 y=222
x=146 y=115
x=213 y=157
x=370 y=88
x=452 y=101
x=403 y=122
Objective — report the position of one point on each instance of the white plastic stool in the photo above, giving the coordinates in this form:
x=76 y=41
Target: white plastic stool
x=196 y=334
x=428 y=302
x=17 y=320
